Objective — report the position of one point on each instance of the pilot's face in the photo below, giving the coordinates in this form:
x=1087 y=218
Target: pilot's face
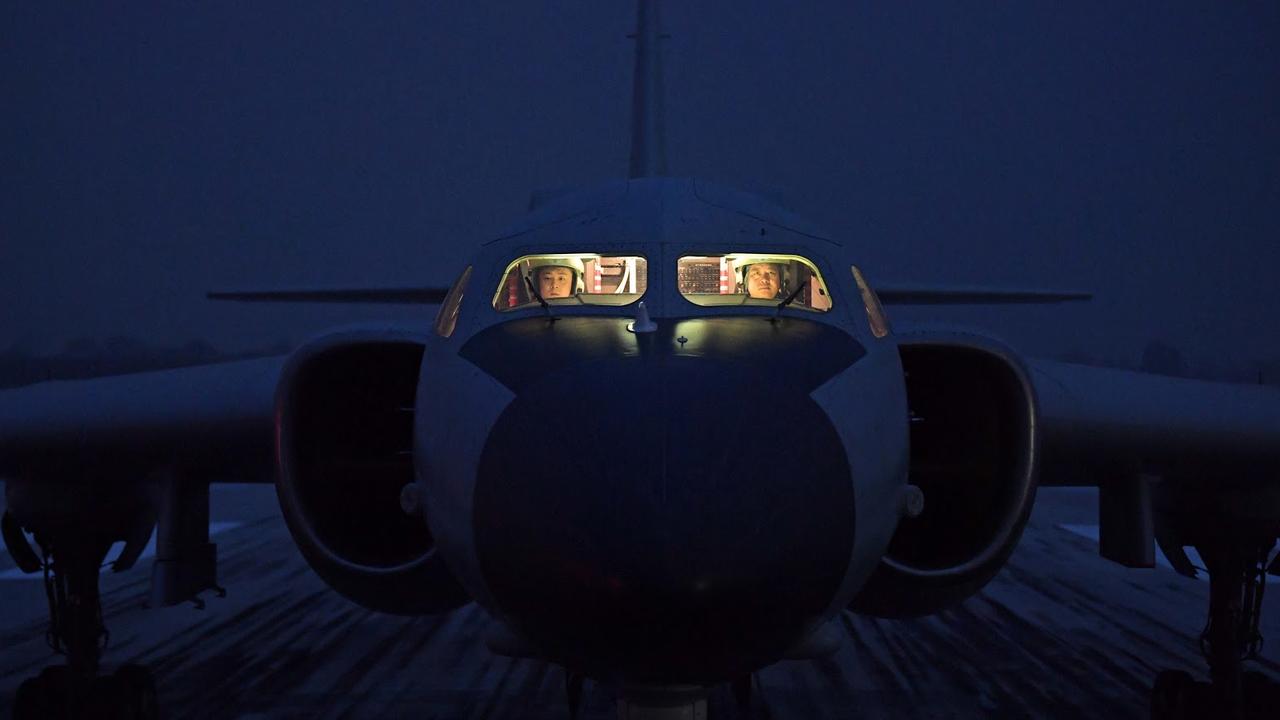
x=763 y=280
x=555 y=282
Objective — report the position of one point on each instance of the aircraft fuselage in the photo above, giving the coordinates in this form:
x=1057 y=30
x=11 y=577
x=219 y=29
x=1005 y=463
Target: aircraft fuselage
x=670 y=506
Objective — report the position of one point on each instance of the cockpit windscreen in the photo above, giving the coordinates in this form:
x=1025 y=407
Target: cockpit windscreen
x=752 y=279
x=572 y=279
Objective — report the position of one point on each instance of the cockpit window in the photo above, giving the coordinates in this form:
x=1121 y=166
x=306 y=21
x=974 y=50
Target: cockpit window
x=752 y=279
x=572 y=279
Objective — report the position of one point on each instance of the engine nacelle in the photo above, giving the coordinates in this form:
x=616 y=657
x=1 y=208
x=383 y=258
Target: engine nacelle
x=344 y=440
x=974 y=453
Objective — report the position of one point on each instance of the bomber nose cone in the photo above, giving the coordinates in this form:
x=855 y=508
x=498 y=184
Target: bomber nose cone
x=663 y=521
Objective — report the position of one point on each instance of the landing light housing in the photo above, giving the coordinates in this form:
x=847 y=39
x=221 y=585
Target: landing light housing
x=875 y=312
x=447 y=317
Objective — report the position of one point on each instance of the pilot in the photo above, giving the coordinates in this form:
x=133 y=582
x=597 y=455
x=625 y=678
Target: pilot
x=557 y=277
x=762 y=280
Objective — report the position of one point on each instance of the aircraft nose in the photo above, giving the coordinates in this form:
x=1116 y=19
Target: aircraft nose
x=663 y=521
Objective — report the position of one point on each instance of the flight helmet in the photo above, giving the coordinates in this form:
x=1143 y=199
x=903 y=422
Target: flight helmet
x=742 y=265
x=573 y=264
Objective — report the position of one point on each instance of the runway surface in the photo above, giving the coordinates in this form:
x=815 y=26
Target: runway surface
x=1059 y=633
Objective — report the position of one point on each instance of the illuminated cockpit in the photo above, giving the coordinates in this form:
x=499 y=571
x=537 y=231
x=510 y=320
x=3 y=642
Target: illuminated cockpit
x=752 y=279
x=572 y=279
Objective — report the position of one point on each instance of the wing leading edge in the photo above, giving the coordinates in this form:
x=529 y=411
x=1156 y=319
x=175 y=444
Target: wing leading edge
x=892 y=294
x=218 y=415
x=384 y=295
x=1096 y=422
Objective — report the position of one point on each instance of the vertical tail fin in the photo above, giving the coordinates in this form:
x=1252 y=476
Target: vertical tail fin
x=648 y=141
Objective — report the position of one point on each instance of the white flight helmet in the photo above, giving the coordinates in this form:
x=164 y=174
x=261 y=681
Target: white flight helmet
x=743 y=261
x=573 y=264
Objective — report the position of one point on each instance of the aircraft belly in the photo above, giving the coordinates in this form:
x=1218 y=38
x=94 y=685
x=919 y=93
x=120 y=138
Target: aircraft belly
x=663 y=540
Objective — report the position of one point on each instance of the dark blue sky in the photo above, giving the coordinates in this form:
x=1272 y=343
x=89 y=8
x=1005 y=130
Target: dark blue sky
x=149 y=153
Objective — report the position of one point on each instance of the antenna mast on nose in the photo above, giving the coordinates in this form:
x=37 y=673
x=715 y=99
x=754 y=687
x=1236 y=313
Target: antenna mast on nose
x=648 y=143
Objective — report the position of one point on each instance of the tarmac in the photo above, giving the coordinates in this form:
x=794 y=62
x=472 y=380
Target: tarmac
x=1059 y=633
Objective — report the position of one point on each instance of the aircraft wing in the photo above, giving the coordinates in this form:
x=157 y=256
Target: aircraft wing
x=386 y=295
x=898 y=294
x=1099 y=422
x=217 y=416
x=1093 y=420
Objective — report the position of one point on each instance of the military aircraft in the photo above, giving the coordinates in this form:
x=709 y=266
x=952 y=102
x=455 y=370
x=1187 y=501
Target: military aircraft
x=588 y=443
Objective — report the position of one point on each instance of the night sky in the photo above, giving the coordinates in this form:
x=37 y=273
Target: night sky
x=149 y=152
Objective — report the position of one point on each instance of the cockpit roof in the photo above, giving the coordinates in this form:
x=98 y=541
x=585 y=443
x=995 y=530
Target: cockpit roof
x=658 y=209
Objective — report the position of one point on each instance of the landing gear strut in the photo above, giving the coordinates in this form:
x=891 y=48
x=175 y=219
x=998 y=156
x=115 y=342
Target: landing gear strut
x=76 y=689
x=75 y=514
x=1237 y=576
x=1234 y=527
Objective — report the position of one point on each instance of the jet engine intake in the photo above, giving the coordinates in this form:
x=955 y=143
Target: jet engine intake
x=974 y=453
x=344 y=439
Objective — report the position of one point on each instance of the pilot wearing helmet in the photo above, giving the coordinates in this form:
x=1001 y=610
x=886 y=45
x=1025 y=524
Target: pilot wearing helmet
x=557 y=277
x=762 y=279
